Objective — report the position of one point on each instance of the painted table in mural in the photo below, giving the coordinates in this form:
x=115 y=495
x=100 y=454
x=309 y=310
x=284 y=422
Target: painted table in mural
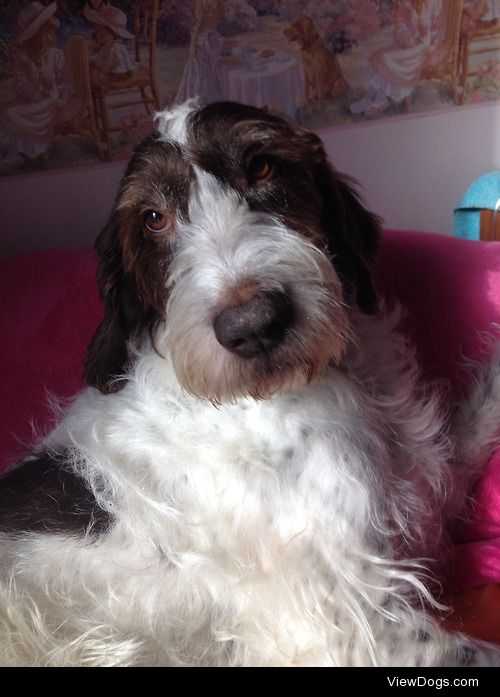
x=274 y=80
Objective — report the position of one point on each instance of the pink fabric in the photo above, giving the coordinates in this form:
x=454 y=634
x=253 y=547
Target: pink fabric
x=476 y=558
x=49 y=310
x=451 y=288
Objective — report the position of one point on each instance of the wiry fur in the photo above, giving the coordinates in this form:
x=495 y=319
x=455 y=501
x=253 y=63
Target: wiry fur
x=278 y=510
x=477 y=418
x=214 y=260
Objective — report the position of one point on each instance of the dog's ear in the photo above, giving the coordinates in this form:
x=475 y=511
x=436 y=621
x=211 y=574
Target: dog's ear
x=132 y=259
x=352 y=232
x=131 y=286
x=107 y=355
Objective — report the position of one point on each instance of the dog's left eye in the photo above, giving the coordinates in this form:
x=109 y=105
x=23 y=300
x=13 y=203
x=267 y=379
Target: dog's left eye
x=261 y=169
x=155 y=221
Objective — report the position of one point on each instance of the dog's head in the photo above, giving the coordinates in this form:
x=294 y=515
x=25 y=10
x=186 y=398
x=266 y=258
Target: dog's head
x=238 y=249
x=302 y=31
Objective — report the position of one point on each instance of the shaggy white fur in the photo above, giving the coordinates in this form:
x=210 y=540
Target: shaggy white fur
x=293 y=527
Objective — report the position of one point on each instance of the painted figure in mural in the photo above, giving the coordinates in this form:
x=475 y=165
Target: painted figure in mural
x=96 y=4
x=72 y=18
x=492 y=11
x=396 y=69
x=110 y=58
x=480 y=23
x=28 y=118
x=323 y=76
x=480 y=13
x=239 y=16
x=201 y=77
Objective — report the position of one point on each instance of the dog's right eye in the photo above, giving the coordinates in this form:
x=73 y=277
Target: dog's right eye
x=156 y=222
x=261 y=169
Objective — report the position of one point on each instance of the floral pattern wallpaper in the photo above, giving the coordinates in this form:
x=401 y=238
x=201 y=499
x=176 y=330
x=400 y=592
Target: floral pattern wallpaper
x=80 y=81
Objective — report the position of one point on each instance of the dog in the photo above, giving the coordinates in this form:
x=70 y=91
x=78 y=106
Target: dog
x=253 y=476
x=323 y=75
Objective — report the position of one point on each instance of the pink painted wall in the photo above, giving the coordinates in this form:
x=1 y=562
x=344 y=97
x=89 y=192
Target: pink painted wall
x=414 y=170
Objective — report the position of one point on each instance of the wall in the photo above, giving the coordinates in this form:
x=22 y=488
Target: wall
x=56 y=210
x=412 y=171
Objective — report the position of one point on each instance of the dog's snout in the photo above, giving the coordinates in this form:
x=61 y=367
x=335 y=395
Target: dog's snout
x=255 y=326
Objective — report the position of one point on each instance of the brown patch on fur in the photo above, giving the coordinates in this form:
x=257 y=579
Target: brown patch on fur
x=44 y=494
x=240 y=294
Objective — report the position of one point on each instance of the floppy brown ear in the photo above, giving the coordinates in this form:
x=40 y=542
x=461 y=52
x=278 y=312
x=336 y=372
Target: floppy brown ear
x=132 y=263
x=353 y=235
x=107 y=355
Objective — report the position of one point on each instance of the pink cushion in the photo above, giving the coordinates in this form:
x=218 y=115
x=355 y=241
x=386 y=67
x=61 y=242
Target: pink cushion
x=48 y=313
x=476 y=559
x=451 y=287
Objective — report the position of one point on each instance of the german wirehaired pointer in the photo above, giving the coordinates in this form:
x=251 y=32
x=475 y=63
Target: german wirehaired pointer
x=253 y=476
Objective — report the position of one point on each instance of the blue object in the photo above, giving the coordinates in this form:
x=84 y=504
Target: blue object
x=483 y=193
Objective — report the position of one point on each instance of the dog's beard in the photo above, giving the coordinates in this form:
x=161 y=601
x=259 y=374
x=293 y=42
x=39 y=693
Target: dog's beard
x=223 y=251
x=206 y=369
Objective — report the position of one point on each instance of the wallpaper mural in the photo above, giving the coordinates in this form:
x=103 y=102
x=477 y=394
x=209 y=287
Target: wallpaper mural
x=80 y=81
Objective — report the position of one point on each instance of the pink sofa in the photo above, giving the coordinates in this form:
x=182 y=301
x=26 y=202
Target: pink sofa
x=451 y=288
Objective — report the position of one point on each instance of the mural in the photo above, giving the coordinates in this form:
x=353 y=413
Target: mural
x=80 y=81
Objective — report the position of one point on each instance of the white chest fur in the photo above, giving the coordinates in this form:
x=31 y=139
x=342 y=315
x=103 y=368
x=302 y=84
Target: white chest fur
x=261 y=532
x=241 y=508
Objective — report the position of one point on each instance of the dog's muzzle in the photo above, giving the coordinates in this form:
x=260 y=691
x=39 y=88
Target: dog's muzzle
x=256 y=326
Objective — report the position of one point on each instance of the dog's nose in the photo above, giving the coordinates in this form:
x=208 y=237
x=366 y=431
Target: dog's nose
x=256 y=326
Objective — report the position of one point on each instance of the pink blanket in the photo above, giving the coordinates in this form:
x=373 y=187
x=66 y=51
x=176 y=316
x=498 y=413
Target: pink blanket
x=49 y=310
x=451 y=287
x=452 y=290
